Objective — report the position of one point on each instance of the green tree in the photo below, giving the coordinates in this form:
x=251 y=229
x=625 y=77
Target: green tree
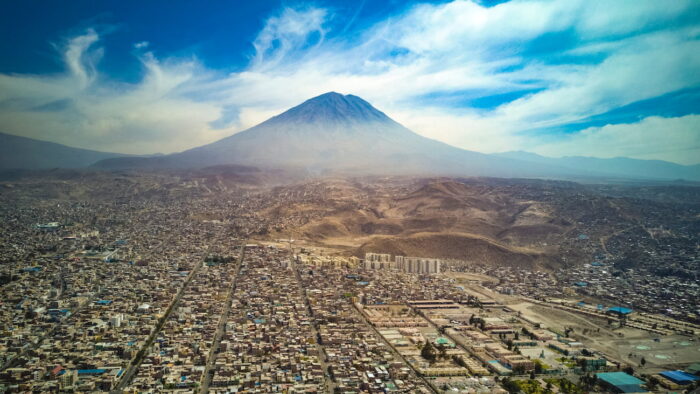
x=511 y=386
x=428 y=352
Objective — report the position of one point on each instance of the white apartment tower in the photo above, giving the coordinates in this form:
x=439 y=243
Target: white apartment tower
x=378 y=261
x=416 y=265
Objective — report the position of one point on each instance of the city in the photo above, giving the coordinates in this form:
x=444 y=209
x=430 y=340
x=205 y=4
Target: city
x=177 y=290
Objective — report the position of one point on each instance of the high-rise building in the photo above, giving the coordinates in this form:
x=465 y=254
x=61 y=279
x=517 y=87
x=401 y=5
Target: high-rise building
x=378 y=261
x=416 y=265
x=116 y=320
x=68 y=379
x=378 y=257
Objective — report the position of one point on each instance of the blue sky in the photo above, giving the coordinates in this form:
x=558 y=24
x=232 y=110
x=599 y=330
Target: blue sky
x=575 y=77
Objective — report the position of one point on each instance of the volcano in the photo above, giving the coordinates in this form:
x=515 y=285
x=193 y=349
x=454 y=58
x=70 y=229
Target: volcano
x=337 y=133
x=344 y=134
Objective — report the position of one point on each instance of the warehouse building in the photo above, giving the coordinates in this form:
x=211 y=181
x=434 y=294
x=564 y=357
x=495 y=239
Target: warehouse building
x=620 y=382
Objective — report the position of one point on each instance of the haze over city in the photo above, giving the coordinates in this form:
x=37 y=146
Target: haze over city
x=350 y=197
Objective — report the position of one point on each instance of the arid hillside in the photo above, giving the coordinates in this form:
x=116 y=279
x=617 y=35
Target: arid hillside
x=426 y=217
x=528 y=223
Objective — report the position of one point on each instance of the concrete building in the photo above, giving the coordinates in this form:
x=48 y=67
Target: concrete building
x=620 y=382
x=418 y=265
x=378 y=257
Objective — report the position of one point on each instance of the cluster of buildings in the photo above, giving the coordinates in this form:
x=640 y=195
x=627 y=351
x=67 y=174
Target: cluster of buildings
x=75 y=320
x=356 y=358
x=597 y=281
x=177 y=357
x=85 y=284
x=150 y=293
x=414 y=265
x=269 y=342
x=309 y=258
x=636 y=288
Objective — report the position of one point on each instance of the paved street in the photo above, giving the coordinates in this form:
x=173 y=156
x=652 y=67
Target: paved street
x=328 y=382
x=211 y=359
x=136 y=362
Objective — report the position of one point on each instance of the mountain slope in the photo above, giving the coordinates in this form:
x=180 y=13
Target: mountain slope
x=26 y=153
x=345 y=134
x=340 y=133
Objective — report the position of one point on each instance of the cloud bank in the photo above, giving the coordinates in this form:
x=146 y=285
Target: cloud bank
x=522 y=75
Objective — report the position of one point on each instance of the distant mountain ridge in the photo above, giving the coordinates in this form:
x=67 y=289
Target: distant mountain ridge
x=617 y=166
x=26 y=153
x=344 y=134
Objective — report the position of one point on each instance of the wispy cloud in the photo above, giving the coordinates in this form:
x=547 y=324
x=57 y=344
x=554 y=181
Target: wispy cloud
x=81 y=62
x=286 y=35
x=83 y=108
x=572 y=60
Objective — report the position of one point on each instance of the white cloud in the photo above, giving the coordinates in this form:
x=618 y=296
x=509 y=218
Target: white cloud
x=646 y=68
x=78 y=108
x=641 y=50
x=79 y=61
x=286 y=33
x=672 y=139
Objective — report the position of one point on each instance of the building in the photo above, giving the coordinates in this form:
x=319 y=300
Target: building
x=414 y=265
x=693 y=369
x=68 y=379
x=418 y=265
x=378 y=257
x=378 y=261
x=620 y=382
x=592 y=363
x=679 y=377
x=619 y=311
x=433 y=304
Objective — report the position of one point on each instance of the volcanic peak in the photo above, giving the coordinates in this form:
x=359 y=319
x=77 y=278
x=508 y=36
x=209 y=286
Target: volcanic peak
x=333 y=107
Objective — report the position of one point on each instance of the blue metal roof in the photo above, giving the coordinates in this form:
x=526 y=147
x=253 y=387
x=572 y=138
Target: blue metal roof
x=624 y=382
x=91 y=371
x=679 y=377
x=620 y=309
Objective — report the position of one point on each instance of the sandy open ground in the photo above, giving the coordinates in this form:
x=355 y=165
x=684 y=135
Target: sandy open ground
x=627 y=345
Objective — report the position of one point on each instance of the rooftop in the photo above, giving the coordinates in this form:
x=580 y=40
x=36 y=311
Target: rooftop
x=622 y=381
x=679 y=377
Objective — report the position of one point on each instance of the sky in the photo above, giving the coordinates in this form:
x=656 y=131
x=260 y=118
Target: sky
x=558 y=78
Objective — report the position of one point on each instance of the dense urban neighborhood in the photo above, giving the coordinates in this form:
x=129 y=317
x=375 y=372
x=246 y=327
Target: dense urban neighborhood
x=188 y=289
